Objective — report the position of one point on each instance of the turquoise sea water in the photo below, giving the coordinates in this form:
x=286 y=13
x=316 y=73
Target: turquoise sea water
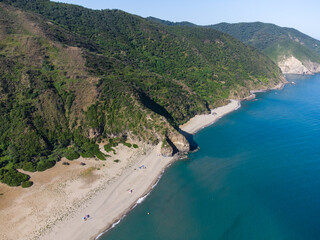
x=256 y=176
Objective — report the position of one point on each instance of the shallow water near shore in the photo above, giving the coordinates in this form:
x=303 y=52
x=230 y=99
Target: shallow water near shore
x=256 y=176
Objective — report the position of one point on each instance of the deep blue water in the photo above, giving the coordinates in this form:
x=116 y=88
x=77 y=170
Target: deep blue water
x=256 y=176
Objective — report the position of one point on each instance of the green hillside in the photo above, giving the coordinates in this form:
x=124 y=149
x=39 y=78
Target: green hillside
x=277 y=42
x=169 y=23
x=263 y=35
x=71 y=77
x=292 y=50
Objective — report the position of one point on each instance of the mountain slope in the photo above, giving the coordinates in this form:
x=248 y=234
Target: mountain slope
x=52 y=98
x=292 y=50
x=169 y=23
x=158 y=48
x=71 y=77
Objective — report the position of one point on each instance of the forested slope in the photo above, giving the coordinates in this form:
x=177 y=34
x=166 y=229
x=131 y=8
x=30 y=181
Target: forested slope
x=279 y=43
x=71 y=77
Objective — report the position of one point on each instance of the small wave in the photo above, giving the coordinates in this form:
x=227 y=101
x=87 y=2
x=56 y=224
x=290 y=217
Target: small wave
x=99 y=235
x=155 y=184
x=239 y=106
x=115 y=224
x=140 y=200
x=112 y=226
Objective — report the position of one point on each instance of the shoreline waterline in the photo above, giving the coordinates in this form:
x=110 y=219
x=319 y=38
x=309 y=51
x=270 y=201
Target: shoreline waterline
x=116 y=199
x=256 y=176
x=194 y=125
x=54 y=207
x=139 y=201
x=125 y=204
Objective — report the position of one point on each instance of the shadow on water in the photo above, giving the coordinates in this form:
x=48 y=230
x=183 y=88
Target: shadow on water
x=193 y=145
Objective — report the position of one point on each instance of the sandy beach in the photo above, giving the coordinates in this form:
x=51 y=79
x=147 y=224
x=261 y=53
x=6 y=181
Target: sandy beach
x=54 y=207
x=199 y=122
x=112 y=202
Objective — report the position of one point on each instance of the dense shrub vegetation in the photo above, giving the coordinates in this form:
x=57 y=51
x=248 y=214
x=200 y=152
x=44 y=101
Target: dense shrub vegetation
x=71 y=154
x=27 y=184
x=273 y=40
x=71 y=77
x=12 y=177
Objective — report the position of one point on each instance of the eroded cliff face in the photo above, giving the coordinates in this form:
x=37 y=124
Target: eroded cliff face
x=313 y=67
x=179 y=141
x=174 y=142
x=166 y=149
x=292 y=65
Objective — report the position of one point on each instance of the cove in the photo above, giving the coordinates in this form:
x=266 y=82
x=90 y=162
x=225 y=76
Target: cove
x=256 y=176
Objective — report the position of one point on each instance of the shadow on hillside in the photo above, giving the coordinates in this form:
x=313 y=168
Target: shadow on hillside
x=155 y=107
x=152 y=105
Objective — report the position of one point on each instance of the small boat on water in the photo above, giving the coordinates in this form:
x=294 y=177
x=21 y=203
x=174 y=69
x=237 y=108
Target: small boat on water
x=293 y=83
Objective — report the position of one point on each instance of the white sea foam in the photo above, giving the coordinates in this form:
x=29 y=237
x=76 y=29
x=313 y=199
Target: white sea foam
x=139 y=201
x=115 y=224
x=112 y=226
x=239 y=106
x=155 y=184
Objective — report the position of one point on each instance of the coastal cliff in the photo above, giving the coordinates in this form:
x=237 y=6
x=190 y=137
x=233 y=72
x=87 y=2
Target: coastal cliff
x=175 y=142
x=292 y=65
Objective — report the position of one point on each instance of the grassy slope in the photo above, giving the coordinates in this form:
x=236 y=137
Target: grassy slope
x=86 y=75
